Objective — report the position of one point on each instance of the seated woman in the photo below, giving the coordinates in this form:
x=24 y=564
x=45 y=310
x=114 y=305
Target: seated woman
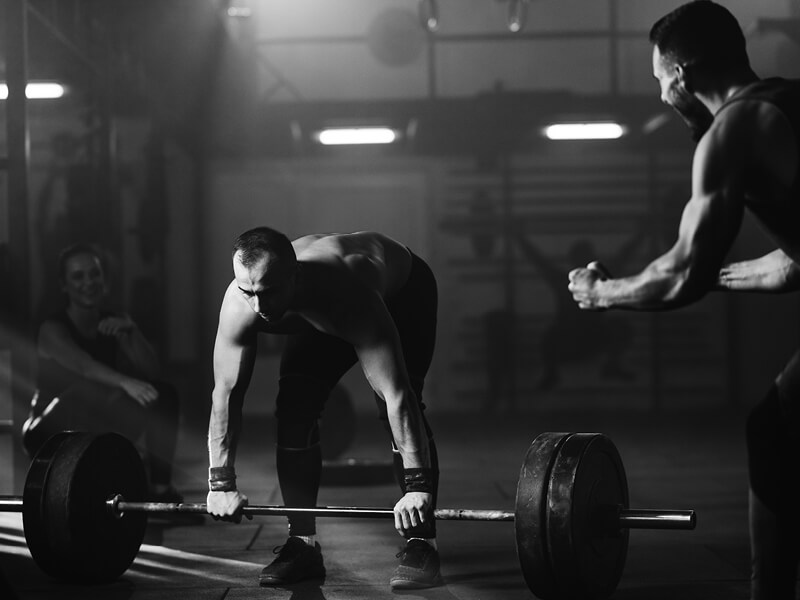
x=97 y=372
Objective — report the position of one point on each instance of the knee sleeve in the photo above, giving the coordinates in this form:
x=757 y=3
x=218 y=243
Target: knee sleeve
x=299 y=474
x=298 y=434
x=298 y=409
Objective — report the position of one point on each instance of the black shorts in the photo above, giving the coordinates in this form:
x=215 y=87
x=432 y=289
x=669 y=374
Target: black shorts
x=313 y=362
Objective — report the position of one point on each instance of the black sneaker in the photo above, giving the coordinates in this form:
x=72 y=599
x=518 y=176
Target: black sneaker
x=418 y=568
x=297 y=561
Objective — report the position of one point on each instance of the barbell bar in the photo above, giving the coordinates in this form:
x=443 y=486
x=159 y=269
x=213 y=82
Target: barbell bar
x=630 y=518
x=625 y=517
x=84 y=512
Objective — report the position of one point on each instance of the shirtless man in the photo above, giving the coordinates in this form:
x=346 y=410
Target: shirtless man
x=342 y=298
x=749 y=158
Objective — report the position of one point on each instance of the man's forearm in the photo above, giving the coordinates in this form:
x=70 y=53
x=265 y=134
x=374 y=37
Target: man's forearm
x=409 y=432
x=651 y=290
x=223 y=430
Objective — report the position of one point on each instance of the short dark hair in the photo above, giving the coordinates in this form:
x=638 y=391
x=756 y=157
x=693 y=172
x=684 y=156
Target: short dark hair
x=701 y=33
x=75 y=250
x=255 y=243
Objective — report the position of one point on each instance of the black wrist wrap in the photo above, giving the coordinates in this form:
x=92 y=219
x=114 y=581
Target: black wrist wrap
x=222 y=479
x=418 y=480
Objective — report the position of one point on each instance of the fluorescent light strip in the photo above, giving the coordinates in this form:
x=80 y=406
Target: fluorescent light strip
x=584 y=131
x=356 y=135
x=43 y=90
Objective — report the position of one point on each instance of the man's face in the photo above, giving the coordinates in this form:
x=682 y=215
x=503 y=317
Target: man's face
x=267 y=286
x=674 y=94
x=83 y=280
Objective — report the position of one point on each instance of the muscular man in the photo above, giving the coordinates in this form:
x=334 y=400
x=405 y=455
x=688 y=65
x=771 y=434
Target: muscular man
x=97 y=372
x=342 y=298
x=749 y=158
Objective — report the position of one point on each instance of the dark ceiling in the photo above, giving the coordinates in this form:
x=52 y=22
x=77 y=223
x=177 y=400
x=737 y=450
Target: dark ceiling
x=173 y=60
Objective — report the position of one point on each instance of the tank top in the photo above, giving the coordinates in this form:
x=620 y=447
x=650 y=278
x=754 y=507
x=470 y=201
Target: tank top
x=52 y=378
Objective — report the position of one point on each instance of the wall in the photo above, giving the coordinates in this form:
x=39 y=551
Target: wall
x=496 y=236
x=366 y=49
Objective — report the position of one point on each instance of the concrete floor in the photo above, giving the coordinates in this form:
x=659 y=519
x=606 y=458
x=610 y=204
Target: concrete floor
x=672 y=461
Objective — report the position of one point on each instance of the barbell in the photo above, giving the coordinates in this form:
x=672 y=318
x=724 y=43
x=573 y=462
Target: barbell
x=84 y=511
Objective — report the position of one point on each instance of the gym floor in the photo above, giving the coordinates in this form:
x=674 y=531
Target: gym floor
x=672 y=461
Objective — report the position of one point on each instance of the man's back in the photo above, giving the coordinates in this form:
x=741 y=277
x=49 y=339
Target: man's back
x=375 y=259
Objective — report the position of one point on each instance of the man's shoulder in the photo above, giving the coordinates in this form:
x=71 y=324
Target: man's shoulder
x=235 y=315
x=745 y=119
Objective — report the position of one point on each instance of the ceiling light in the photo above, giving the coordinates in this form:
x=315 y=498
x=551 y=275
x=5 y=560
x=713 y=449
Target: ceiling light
x=239 y=12
x=337 y=136
x=429 y=14
x=517 y=12
x=40 y=90
x=605 y=130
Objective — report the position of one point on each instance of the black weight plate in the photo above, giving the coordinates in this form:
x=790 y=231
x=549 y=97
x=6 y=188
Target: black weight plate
x=586 y=485
x=529 y=513
x=85 y=542
x=37 y=533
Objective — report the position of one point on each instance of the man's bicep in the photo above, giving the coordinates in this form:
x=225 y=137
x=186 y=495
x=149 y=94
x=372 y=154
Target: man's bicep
x=717 y=205
x=383 y=367
x=708 y=227
x=234 y=352
x=380 y=352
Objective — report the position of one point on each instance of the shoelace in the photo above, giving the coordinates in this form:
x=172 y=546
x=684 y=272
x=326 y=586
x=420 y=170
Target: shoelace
x=279 y=549
x=405 y=551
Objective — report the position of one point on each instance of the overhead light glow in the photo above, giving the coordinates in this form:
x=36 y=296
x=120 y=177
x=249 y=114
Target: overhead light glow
x=240 y=12
x=517 y=13
x=585 y=131
x=356 y=135
x=429 y=14
x=42 y=90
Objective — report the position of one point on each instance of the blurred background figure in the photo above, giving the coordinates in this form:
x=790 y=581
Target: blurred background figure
x=97 y=372
x=571 y=336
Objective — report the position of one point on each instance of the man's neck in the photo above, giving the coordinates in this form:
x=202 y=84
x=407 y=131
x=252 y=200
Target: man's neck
x=723 y=92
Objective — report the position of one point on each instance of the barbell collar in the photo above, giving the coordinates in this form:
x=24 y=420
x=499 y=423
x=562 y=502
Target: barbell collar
x=10 y=503
x=656 y=519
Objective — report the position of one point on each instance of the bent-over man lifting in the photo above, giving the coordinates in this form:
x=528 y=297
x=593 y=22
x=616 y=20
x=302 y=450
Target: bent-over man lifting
x=341 y=298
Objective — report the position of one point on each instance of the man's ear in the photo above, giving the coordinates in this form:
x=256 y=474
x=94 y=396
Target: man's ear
x=685 y=78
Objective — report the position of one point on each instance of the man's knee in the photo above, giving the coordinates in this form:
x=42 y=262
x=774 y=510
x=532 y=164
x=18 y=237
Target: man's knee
x=766 y=452
x=298 y=434
x=298 y=408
